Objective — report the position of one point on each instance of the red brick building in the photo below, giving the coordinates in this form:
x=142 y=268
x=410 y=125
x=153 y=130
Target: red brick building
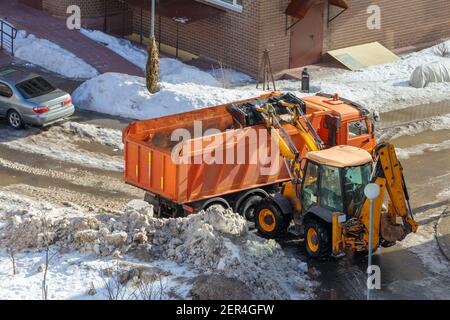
x=236 y=32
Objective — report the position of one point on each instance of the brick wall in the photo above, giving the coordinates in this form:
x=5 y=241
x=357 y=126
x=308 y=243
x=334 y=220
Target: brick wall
x=89 y=8
x=37 y=4
x=231 y=37
x=272 y=33
x=119 y=18
x=403 y=23
x=239 y=39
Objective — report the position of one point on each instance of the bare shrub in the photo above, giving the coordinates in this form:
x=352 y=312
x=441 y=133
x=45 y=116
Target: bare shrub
x=116 y=288
x=442 y=50
x=132 y=284
x=15 y=242
x=151 y=290
x=221 y=75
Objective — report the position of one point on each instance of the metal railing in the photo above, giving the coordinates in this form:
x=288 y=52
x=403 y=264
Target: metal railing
x=7 y=35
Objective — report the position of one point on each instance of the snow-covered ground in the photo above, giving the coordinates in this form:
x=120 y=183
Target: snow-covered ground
x=382 y=87
x=48 y=55
x=84 y=245
x=183 y=88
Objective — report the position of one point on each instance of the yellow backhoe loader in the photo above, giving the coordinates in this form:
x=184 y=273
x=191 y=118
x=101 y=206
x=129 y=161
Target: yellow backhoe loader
x=325 y=196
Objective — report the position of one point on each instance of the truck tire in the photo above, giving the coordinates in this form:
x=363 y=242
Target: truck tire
x=317 y=238
x=270 y=221
x=15 y=120
x=247 y=209
x=216 y=202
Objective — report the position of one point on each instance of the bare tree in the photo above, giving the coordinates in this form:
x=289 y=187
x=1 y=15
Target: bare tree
x=152 y=67
x=46 y=240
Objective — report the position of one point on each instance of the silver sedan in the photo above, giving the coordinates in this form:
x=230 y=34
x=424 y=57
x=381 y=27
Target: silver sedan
x=27 y=98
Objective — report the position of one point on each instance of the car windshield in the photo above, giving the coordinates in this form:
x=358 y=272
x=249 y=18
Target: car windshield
x=355 y=179
x=35 y=87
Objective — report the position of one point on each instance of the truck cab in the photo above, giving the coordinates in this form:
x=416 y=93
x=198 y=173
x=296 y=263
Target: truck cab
x=347 y=123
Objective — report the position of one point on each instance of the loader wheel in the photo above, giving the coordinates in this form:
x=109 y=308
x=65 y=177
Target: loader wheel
x=317 y=239
x=269 y=220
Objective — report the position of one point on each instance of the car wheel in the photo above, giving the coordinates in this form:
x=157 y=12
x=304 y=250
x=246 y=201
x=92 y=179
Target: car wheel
x=15 y=120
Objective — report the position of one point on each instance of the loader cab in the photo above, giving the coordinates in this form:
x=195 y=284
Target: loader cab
x=334 y=180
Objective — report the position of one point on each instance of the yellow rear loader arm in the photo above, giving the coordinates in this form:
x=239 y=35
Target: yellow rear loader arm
x=354 y=233
x=287 y=148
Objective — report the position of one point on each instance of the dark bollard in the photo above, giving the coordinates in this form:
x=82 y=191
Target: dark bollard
x=305 y=80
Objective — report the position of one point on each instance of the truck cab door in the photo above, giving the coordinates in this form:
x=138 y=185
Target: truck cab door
x=359 y=134
x=332 y=125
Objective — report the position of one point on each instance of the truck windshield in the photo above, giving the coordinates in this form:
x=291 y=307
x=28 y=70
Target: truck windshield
x=35 y=87
x=355 y=179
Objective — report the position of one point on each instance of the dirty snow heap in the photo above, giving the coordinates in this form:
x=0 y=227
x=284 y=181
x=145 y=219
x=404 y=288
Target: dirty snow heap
x=213 y=242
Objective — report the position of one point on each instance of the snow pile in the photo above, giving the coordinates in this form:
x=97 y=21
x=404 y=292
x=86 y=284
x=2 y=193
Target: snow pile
x=175 y=72
x=48 y=55
x=127 y=96
x=215 y=241
x=170 y=70
x=432 y=72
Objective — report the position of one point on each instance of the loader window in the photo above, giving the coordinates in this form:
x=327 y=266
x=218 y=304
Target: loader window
x=309 y=194
x=357 y=128
x=355 y=179
x=330 y=188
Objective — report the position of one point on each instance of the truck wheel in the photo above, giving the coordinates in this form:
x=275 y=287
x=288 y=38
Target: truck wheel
x=247 y=209
x=317 y=239
x=269 y=220
x=15 y=120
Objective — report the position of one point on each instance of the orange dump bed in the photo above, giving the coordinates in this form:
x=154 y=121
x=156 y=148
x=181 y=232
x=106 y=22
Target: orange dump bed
x=150 y=165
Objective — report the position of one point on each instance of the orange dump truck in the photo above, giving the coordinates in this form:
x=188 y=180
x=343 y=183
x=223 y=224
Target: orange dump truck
x=187 y=162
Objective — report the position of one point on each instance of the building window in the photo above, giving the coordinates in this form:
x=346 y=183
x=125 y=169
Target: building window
x=235 y=5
